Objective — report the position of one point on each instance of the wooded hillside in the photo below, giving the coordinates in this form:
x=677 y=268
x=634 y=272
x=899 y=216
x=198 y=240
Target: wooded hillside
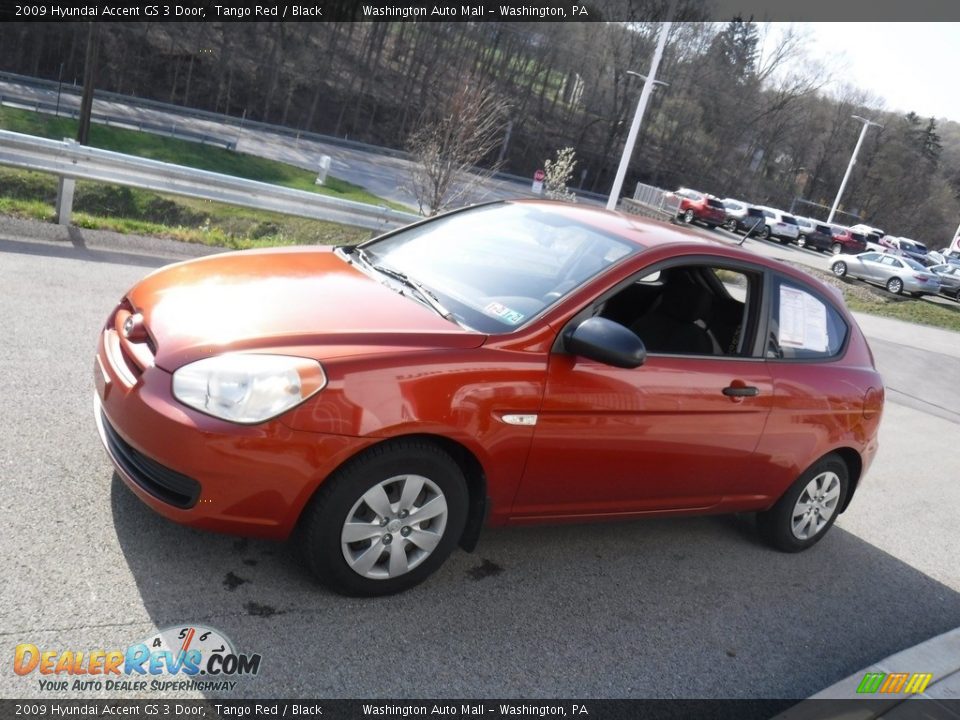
x=737 y=119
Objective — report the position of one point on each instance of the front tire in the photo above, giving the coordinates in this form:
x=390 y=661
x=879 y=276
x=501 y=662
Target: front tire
x=839 y=269
x=730 y=226
x=801 y=241
x=836 y=248
x=808 y=509
x=386 y=520
x=765 y=232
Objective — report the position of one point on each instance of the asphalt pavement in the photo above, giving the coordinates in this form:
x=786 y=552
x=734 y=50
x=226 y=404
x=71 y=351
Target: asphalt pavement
x=664 y=608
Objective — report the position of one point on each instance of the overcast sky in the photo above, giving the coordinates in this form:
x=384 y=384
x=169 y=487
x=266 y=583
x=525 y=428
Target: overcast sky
x=913 y=66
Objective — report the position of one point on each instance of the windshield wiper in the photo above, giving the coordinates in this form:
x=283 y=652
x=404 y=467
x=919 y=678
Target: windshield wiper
x=423 y=293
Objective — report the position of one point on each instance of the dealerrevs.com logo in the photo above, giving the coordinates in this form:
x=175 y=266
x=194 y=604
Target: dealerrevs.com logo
x=186 y=657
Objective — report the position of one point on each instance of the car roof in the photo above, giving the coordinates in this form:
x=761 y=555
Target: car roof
x=652 y=234
x=643 y=231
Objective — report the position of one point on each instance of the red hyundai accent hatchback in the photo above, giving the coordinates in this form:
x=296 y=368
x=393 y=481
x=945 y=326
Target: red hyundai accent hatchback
x=511 y=363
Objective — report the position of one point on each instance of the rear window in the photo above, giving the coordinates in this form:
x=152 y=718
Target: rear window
x=732 y=205
x=755 y=212
x=715 y=203
x=789 y=220
x=823 y=229
x=803 y=326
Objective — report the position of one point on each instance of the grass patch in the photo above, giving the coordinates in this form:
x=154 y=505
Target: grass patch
x=861 y=297
x=190 y=154
x=97 y=206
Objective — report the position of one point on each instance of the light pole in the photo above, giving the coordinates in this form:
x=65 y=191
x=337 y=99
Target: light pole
x=853 y=160
x=648 y=84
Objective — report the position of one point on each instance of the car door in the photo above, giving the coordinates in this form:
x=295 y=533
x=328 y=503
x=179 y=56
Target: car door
x=867 y=266
x=678 y=432
x=887 y=267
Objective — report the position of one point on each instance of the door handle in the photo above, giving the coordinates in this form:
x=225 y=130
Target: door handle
x=741 y=391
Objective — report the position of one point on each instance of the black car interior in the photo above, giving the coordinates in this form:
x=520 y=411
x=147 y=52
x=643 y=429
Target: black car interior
x=685 y=310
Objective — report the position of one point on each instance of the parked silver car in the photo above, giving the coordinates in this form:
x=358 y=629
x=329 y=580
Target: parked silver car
x=949 y=275
x=896 y=273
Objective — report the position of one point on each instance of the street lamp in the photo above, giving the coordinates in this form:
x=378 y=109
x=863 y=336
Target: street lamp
x=648 y=84
x=853 y=160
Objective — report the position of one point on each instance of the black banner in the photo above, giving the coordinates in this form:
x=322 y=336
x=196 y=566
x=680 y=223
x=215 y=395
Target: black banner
x=41 y=709
x=474 y=11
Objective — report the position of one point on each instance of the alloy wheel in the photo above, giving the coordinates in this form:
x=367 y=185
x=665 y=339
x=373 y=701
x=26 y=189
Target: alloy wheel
x=815 y=506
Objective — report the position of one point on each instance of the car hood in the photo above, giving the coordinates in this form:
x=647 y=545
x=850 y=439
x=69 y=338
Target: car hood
x=304 y=298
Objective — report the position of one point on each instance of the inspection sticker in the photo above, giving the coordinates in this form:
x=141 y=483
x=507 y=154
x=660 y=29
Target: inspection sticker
x=504 y=313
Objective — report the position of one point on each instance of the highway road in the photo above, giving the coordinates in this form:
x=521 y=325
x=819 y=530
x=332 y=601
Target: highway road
x=383 y=175
x=659 y=608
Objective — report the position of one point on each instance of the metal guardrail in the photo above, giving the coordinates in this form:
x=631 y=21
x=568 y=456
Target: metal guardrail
x=72 y=161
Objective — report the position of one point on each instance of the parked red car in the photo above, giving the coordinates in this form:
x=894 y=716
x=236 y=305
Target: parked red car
x=516 y=362
x=699 y=207
x=846 y=240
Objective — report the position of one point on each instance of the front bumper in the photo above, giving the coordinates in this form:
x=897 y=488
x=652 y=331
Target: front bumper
x=204 y=472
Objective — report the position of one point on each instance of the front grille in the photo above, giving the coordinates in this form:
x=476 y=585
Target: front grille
x=163 y=483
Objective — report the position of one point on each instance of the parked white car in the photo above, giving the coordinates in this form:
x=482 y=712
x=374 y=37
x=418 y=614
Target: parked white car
x=780 y=225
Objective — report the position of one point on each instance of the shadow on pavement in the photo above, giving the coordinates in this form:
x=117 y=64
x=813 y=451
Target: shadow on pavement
x=678 y=608
x=79 y=251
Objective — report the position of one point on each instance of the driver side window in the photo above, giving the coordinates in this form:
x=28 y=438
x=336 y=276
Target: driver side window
x=691 y=310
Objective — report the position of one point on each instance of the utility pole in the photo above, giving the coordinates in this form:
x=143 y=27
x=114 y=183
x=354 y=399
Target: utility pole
x=641 y=107
x=853 y=160
x=89 y=82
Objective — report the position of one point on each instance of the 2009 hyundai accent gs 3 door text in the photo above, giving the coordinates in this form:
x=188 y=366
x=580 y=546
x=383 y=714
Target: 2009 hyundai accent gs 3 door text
x=510 y=363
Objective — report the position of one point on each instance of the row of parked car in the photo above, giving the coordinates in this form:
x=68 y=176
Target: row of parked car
x=899 y=264
x=768 y=223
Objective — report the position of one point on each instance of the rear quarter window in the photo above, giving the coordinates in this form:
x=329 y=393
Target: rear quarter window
x=803 y=325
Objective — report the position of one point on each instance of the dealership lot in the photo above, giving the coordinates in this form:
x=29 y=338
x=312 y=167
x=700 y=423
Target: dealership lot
x=661 y=608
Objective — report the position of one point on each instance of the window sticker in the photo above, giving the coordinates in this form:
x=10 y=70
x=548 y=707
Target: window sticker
x=504 y=313
x=803 y=320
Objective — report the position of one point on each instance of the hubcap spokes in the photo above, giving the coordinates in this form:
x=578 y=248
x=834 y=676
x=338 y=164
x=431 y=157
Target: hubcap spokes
x=815 y=506
x=394 y=527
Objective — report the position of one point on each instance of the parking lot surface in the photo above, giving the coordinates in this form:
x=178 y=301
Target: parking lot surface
x=659 y=608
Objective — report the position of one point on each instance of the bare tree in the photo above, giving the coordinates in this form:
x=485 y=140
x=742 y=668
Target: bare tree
x=451 y=140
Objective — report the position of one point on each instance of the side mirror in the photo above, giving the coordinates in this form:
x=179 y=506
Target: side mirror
x=607 y=342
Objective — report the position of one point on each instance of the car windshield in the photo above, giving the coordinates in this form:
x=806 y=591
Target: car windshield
x=495 y=267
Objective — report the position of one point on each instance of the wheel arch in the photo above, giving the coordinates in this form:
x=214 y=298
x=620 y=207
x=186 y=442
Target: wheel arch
x=465 y=459
x=851 y=458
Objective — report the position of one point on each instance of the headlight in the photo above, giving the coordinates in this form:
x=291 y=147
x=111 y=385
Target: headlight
x=247 y=388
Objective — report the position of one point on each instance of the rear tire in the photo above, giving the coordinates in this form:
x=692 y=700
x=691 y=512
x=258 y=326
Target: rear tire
x=801 y=241
x=730 y=226
x=765 y=232
x=688 y=217
x=405 y=506
x=895 y=285
x=808 y=509
x=836 y=248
